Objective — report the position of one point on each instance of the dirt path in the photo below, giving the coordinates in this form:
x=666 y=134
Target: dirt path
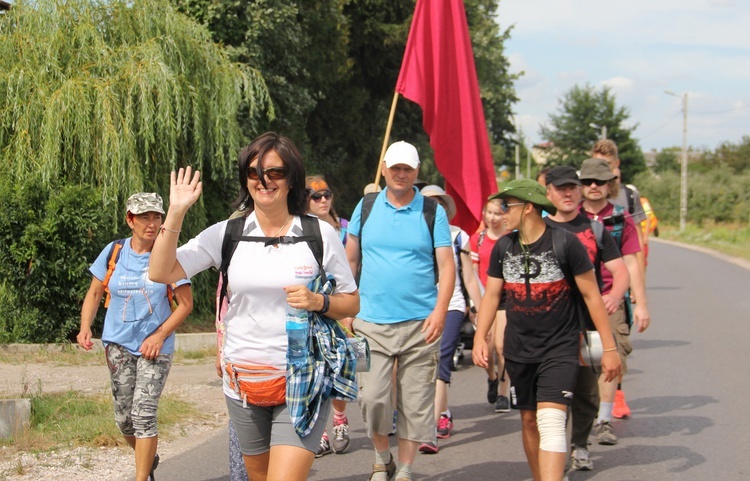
x=195 y=381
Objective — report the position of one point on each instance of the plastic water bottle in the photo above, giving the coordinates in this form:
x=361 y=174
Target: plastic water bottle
x=297 y=331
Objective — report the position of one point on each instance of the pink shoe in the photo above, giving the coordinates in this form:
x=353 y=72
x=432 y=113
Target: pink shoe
x=444 y=427
x=620 y=409
x=428 y=448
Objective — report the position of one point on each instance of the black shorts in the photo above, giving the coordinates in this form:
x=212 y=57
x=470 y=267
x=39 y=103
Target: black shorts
x=552 y=380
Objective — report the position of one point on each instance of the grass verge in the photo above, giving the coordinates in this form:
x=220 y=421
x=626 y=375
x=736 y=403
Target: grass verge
x=66 y=419
x=730 y=239
x=68 y=354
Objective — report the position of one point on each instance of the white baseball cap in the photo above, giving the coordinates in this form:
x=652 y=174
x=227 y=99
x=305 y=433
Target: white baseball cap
x=401 y=153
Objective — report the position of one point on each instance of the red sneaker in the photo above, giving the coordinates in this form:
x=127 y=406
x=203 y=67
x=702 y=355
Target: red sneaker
x=445 y=426
x=428 y=448
x=620 y=409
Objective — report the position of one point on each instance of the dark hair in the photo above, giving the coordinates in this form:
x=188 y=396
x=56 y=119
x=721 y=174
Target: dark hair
x=283 y=146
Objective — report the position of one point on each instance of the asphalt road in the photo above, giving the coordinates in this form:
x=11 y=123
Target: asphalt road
x=687 y=388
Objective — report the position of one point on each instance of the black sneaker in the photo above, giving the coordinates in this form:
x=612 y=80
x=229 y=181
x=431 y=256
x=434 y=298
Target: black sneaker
x=502 y=405
x=324 y=447
x=492 y=390
x=153 y=468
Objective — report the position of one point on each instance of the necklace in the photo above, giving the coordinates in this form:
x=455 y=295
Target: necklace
x=282 y=227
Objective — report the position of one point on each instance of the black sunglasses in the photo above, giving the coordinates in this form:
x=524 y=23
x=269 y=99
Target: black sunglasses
x=505 y=206
x=593 y=181
x=273 y=173
x=319 y=195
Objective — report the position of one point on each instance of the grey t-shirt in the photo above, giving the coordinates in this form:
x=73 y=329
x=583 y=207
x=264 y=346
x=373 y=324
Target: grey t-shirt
x=637 y=215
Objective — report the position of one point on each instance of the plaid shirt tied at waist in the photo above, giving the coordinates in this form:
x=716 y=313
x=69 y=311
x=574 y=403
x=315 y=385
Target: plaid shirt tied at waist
x=328 y=371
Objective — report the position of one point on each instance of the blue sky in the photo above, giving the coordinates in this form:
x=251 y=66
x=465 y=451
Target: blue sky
x=640 y=48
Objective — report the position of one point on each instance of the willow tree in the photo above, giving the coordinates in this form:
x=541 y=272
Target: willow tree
x=108 y=96
x=116 y=94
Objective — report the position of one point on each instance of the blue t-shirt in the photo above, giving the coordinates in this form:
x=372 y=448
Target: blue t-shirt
x=397 y=282
x=138 y=306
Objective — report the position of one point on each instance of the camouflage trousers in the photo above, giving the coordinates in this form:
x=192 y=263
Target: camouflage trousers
x=137 y=384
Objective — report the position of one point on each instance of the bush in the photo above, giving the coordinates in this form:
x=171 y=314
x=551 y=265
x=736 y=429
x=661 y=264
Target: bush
x=48 y=237
x=719 y=195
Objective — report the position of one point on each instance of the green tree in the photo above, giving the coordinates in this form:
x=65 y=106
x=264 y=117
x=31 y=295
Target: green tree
x=114 y=95
x=572 y=136
x=667 y=160
x=734 y=156
x=331 y=68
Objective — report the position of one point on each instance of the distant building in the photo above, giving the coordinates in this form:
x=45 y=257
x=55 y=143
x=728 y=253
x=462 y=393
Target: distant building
x=541 y=152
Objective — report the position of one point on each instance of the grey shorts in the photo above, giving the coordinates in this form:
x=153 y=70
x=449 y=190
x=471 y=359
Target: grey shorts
x=260 y=427
x=137 y=384
x=417 y=362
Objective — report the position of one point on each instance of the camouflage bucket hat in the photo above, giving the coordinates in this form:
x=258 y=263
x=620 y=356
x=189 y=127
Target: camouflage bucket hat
x=141 y=202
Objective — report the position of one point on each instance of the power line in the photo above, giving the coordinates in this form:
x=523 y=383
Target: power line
x=721 y=111
x=661 y=126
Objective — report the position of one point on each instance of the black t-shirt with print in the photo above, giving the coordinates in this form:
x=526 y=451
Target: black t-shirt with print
x=541 y=312
x=581 y=227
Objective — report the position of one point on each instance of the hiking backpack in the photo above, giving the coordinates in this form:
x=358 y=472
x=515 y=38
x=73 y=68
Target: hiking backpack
x=233 y=236
x=429 y=211
x=112 y=258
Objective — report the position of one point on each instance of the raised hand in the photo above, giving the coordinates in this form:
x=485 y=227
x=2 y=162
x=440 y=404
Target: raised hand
x=184 y=188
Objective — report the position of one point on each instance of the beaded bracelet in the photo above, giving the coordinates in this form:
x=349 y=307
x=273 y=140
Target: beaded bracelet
x=610 y=349
x=165 y=228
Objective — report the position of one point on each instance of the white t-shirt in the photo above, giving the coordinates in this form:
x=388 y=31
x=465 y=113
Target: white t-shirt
x=255 y=322
x=458 y=303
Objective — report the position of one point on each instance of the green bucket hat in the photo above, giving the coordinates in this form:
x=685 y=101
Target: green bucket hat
x=526 y=190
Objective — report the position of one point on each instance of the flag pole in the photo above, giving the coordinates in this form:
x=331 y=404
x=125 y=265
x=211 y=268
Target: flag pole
x=387 y=136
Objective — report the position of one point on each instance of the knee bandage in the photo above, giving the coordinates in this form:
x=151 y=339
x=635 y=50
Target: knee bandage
x=551 y=425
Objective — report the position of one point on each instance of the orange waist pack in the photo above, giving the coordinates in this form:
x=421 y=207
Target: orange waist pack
x=257 y=385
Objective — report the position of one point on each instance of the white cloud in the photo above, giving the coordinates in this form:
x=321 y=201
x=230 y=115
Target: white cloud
x=619 y=84
x=638 y=48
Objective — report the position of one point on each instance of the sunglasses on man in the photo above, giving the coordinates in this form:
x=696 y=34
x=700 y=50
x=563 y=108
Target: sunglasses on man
x=271 y=173
x=505 y=206
x=318 y=196
x=598 y=182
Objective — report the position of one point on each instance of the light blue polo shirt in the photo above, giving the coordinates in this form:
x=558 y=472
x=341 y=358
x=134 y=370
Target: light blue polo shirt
x=397 y=282
x=138 y=305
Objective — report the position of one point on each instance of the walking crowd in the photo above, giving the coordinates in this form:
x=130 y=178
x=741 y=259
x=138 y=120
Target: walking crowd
x=551 y=283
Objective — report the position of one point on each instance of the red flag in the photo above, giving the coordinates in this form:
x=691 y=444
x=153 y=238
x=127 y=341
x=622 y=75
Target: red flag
x=438 y=73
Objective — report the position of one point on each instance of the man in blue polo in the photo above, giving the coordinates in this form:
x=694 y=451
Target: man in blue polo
x=402 y=310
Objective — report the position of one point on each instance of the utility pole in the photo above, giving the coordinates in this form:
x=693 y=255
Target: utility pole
x=518 y=160
x=684 y=166
x=528 y=163
x=602 y=129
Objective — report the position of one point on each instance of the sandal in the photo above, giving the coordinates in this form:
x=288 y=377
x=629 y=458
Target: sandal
x=389 y=469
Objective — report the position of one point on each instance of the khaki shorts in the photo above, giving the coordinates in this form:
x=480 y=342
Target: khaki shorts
x=621 y=330
x=402 y=344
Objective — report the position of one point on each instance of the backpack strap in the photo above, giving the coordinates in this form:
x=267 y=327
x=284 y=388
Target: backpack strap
x=459 y=265
x=367 y=202
x=233 y=235
x=560 y=242
x=617 y=222
x=630 y=195
x=313 y=237
x=112 y=258
x=429 y=211
x=480 y=240
x=598 y=229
